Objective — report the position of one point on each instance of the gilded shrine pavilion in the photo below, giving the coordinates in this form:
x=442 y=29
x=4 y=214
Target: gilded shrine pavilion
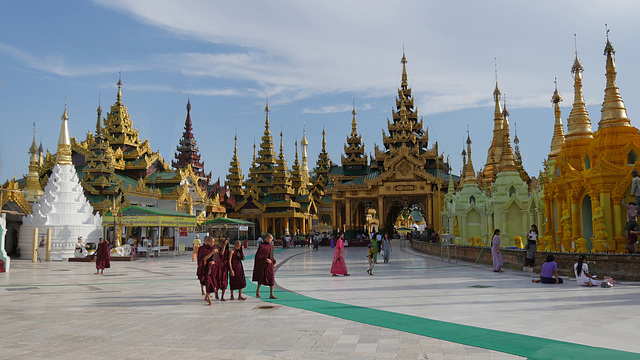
x=588 y=173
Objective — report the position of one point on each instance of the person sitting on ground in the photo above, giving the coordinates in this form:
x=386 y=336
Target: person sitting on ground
x=581 y=270
x=549 y=273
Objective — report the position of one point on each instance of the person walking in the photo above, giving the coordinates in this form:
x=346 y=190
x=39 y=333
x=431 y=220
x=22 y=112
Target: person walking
x=370 y=258
x=206 y=271
x=103 y=257
x=263 y=266
x=237 y=280
x=495 y=251
x=339 y=267
x=386 y=247
x=374 y=242
x=196 y=245
x=223 y=268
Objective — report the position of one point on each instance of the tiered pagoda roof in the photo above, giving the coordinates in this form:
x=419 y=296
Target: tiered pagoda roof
x=354 y=158
x=188 y=153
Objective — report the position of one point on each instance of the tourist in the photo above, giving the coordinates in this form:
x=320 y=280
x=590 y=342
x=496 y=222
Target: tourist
x=378 y=243
x=495 y=251
x=263 y=265
x=632 y=238
x=259 y=240
x=103 y=257
x=370 y=257
x=531 y=247
x=581 y=270
x=386 y=247
x=635 y=187
x=549 y=273
x=222 y=273
x=316 y=241
x=196 y=245
x=205 y=271
x=339 y=267
x=237 y=280
x=374 y=242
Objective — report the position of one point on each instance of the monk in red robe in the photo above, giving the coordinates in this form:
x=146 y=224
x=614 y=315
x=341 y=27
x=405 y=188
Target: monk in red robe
x=263 y=266
x=223 y=268
x=206 y=267
x=237 y=280
x=103 y=257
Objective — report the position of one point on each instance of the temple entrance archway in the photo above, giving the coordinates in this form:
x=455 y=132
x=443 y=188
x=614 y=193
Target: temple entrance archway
x=403 y=210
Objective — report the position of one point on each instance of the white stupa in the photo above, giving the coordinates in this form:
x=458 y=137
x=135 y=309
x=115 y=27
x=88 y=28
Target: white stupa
x=63 y=208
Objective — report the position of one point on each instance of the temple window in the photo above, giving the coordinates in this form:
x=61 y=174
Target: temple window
x=587 y=163
x=512 y=191
x=632 y=157
x=472 y=200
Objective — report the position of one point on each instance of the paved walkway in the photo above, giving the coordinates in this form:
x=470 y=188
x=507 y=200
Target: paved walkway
x=153 y=309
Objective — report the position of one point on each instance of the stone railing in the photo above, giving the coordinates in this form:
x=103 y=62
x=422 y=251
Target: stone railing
x=618 y=266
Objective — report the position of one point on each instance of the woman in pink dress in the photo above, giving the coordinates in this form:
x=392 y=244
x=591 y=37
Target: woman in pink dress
x=339 y=267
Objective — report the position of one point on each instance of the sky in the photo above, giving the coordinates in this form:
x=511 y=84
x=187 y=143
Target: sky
x=313 y=60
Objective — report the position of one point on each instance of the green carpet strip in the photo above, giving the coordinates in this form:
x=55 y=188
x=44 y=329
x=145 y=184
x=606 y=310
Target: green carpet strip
x=531 y=347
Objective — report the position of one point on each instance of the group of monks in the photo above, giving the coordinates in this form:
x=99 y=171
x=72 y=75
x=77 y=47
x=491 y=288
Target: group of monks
x=218 y=267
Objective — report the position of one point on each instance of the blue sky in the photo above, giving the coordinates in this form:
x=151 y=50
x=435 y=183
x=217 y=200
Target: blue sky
x=313 y=59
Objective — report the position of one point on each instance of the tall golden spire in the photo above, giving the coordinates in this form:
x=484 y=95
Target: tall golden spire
x=507 y=159
x=469 y=175
x=119 y=96
x=578 y=122
x=613 y=110
x=492 y=164
x=405 y=83
x=63 y=156
x=99 y=120
x=304 y=167
x=558 y=132
x=33 y=189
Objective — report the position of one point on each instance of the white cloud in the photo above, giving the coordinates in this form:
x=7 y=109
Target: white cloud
x=329 y=109
x=55 y=63
x=296 y=50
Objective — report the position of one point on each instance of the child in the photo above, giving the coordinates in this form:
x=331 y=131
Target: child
x=370 y=255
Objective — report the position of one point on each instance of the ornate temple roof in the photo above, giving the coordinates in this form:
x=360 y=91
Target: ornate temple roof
x=354 y=158
x=188 y=152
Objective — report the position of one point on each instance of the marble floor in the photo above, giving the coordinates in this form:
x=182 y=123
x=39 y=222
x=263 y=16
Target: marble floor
x=152 y=308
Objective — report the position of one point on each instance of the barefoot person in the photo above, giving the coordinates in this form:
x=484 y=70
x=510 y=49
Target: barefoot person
x=205 y=266
x=196 y=245
x=263 y=266
x=223 y=268
x=103 y=257
x=339 y=267
x=237 y=280
x=495 y=251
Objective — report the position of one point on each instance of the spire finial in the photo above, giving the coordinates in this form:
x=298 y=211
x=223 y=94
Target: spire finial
x=189 y=105
x=119 y=96
x=496 y=92
x=515 y=129
x=404 y=61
